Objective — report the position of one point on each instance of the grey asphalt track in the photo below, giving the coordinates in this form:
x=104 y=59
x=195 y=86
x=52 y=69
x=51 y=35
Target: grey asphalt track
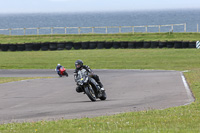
x=56 y=98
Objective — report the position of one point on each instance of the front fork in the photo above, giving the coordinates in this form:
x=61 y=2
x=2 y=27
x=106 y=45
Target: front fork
x=97 y=86
x=95 y=83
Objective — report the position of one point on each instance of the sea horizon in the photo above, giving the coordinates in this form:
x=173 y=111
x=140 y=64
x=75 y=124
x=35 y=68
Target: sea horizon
x=91 y=12
x=97 y=19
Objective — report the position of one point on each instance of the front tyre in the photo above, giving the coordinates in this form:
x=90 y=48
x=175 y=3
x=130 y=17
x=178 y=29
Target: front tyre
x=104 y=96
x=90 y=93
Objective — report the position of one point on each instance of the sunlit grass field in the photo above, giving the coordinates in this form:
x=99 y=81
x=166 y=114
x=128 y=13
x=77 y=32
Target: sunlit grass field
x=183 y=119
x=166 y=59
x=13 y=79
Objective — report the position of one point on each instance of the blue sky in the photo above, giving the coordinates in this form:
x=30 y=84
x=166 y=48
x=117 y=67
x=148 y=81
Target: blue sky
x=45 y=6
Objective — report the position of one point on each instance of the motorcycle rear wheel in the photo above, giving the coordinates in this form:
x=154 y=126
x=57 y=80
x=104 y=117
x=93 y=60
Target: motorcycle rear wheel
x=90 y=93
x=66 y=74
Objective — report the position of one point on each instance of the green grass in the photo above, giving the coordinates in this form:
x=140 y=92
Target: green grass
x=183 y=119
x=12 y=79
x=6 y=39
x=166 y=59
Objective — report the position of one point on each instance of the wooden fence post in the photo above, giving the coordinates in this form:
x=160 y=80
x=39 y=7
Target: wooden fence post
x=79 y=30
x=120 y=29
x=51 y=30
x=146 y=28
x=172 y=27
x=65 y=30
x=38 y=32
x=24 y=31
x=10 y=32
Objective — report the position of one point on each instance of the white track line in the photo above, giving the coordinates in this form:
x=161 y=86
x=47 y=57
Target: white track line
x=187 y=88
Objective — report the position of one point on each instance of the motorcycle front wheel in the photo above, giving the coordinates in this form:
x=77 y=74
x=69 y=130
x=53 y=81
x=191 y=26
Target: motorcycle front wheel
x=90 y=93
x=104 y=96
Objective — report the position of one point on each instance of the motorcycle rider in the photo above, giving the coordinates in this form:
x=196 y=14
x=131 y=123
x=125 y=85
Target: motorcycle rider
x=57 y=69
x=79 y=65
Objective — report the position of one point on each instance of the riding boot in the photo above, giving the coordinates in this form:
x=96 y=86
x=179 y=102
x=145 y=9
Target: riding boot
x=59 y=74
x=100 y=84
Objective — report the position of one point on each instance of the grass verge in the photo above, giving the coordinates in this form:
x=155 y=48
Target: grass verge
x=12 y=79
x=181 y=119
x=6 y=39
x=166 y=59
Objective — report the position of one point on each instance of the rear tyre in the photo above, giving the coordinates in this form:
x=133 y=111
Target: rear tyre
x=59 y=75
x=66 y=74
x=90 y=93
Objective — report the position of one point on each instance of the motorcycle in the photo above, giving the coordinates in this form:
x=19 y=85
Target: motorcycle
x=89 y=86
x=63 y=72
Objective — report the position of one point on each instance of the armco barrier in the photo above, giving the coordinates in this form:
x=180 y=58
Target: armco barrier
x=85 y=45
x=96 y=45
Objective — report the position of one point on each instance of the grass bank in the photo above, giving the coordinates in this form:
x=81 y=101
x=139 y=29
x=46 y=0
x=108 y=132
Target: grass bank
x=181 y=119
x=166 y=59
x=12 y=79
x=6 y=39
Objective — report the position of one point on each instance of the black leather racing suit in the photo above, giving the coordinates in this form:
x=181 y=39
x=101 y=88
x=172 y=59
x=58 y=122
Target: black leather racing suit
x=94 y=76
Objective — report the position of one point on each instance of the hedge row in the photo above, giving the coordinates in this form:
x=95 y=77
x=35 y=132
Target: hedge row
x=95 y=45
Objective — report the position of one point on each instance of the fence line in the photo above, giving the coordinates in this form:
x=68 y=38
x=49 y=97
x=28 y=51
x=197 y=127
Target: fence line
x=79 y=29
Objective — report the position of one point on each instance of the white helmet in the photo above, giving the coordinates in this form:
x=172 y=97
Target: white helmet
x=58 y=64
